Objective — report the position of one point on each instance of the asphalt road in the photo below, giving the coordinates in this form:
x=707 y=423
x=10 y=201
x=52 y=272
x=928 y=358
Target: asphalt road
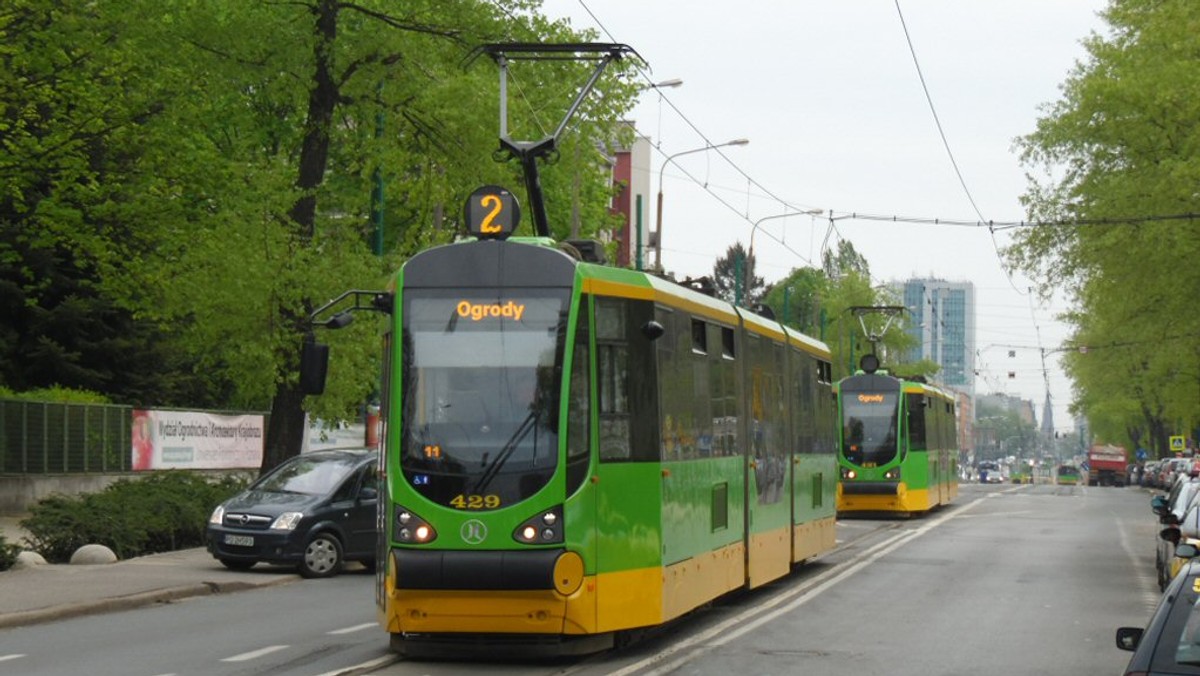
x=1009 y=580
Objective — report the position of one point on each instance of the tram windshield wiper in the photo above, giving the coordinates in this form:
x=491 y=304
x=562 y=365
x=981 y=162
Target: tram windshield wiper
x=506 y=451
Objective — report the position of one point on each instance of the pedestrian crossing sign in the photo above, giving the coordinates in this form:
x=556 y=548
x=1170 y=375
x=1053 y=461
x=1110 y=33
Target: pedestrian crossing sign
x=1176 y=443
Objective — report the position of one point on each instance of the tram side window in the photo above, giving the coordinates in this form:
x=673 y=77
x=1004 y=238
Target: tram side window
x=804 y=414
x=612 y=366
x=626 y=381
x=916 y=422
x=826 y=407
x=699 y=337
x=676 y=349
x=579 y=429
x=938 y=429
x=727 y=344
x=722 y=393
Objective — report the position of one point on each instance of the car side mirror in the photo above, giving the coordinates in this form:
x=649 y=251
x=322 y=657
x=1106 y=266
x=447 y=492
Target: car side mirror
x=1128 y=638
x=368 y=493
x=1170 y=535
x=1186 y=551
x=1169 y=519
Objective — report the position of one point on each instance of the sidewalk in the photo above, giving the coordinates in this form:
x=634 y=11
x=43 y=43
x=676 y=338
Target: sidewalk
x=56 y=591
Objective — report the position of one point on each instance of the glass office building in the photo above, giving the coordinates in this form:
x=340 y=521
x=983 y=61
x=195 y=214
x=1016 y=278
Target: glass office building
x=941 y=316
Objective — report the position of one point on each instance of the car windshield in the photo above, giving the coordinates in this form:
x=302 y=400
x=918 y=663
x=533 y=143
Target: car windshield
x=311 y=475
x=1187 y=650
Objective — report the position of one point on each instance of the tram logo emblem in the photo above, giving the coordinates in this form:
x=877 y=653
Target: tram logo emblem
x=473 y=532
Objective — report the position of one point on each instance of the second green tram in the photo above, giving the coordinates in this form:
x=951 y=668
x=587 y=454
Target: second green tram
x=897 y=445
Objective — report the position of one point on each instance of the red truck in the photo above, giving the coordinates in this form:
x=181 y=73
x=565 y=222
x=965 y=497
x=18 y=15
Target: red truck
x=1107 y=465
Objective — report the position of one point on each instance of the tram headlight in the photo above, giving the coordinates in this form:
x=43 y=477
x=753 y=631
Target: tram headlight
x=893 y=474
x=411 y=529
x=848 y=473
x=542 y=529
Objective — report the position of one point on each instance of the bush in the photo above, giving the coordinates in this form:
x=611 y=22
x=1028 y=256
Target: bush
x=8 y=553
x=162 y=512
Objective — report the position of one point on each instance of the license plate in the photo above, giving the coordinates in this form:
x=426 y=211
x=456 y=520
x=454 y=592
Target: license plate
x=239 y=540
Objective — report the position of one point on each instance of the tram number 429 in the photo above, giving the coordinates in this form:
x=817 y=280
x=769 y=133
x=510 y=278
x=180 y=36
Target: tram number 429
x=475 y=501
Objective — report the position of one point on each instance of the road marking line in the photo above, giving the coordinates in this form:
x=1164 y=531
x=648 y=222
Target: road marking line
x=14 y=656
x=365 y=667
x=742 y=623
x=255 y=654
x=351 y=630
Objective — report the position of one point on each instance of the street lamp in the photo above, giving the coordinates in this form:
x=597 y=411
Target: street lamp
x=750 y=256
x=673 y=82
x=658 y=237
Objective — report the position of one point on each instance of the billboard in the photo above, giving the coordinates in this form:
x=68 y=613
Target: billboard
x=191 y=440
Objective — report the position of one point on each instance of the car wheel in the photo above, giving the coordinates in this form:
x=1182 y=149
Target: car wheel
x=322 y=556
x=237 y=564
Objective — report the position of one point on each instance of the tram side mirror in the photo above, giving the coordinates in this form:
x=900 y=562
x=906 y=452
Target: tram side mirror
x=314 y=364
x=652 y=330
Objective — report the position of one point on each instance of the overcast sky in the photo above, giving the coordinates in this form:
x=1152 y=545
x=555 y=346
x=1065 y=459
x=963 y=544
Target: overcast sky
x=832 y=102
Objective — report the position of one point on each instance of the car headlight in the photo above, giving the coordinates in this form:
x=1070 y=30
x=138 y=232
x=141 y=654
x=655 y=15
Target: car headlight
x=218 y=515
x=287 y=521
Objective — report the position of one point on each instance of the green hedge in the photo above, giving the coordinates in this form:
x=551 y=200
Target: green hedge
x=8 y=553
x=162 y=512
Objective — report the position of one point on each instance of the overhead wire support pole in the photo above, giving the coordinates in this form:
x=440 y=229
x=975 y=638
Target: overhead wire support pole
x=528 y=152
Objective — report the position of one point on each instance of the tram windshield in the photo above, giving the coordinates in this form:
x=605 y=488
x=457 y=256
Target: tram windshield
x=869 y=427
x=481 y=381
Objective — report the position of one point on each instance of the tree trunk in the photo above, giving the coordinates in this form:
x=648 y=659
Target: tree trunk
x=285 y=432
x=286 y=429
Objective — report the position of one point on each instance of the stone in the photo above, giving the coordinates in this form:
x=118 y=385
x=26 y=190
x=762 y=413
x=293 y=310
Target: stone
x=93 y=554
x=28 y=559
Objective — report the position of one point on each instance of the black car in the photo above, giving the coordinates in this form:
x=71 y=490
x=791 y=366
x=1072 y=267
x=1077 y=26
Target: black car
x=1170 y=643
x=314 y=511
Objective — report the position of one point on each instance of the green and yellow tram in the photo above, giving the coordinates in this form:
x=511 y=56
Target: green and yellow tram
x=573 y=450
x=897 y=444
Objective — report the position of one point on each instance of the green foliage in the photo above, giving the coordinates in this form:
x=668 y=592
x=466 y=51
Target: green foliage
x=179 y=193
x=8 y=553
x=56 y=394
x=163 y=512
x=1119 y=150
x=734 y=279
x=818 y=302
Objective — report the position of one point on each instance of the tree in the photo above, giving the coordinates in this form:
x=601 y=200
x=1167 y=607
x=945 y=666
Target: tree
x=1117 y=153
x=734 y=278
x=215 y=187
x=84 y=198
x=818 y=302
x=368 y=66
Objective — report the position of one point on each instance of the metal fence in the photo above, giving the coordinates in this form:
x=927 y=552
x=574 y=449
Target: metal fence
x=57 y=438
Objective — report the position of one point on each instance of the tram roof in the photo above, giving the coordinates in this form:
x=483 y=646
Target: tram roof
x=622 y=283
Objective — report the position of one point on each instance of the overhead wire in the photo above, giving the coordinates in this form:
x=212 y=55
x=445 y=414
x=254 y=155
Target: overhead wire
x=833 y=216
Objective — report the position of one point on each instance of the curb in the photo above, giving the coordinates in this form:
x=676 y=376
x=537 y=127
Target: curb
x=130 y=601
